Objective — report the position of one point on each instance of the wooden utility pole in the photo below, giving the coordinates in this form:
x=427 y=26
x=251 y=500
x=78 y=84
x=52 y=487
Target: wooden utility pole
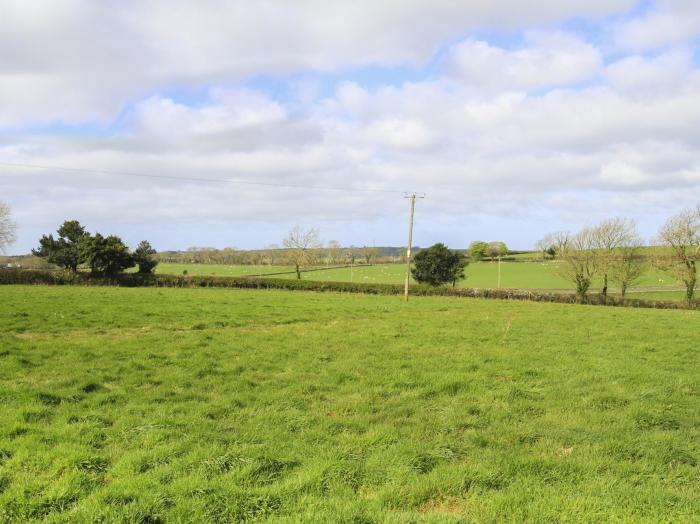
x=413 y=197
x=499 y=272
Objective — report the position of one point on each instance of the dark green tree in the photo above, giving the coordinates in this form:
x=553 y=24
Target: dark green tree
x=144 y=257
x=107 y=256
x=478 y=250
x=438 y=265
x=65 y=251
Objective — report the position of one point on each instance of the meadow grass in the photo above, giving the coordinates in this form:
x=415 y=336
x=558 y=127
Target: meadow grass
x=196 y=405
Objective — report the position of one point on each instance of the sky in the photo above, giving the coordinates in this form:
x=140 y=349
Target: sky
x=514 y=118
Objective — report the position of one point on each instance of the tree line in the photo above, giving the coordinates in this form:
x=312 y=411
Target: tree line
x=614 y=252
x=332 y=253
x=479 y=250
x=107 y=256
x=611 y=252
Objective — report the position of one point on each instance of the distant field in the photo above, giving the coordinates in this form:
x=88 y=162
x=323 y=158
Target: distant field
x=221 y=270
x=520 y=275
x=482 y=274
x=657 y=295
x=171 y=405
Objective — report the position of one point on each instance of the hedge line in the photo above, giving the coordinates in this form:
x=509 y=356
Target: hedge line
x=27 y=276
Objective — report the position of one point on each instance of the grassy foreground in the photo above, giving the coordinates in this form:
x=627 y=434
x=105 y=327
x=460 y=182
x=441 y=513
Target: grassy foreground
x=172 y=405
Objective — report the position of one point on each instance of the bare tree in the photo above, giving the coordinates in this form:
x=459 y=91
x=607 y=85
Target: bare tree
x=609 y=237
x=629 y=266
x=335 y=252
x=680 y=235
x=302 y=247
x=7 y=227
x=542 y=247
x=369 y=253
x=351 y=253
x=579 y=260
x=552 y=243
x=271 y=252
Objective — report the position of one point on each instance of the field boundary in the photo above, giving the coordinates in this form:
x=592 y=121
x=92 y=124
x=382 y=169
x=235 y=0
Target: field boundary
x=38 y=277
x=307 y=270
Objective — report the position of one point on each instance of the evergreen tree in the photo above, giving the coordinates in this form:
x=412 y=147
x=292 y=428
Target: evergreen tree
x=66 y=251
x=438 y=265
x=144 y=257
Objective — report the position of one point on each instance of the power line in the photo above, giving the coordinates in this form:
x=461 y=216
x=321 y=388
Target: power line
x=194 y=179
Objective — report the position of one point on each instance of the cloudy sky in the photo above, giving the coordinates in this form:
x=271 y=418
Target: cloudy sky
x=515 y=118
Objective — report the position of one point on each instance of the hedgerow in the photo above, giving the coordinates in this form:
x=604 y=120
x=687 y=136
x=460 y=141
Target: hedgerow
x=41 y=277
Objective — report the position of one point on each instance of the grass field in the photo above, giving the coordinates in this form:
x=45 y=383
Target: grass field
x=219 y=270
x=172 y=405
x=516 y=275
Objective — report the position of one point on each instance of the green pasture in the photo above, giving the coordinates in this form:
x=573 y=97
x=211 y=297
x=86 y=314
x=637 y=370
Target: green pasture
x=480 y=275
x=203 y=405
x=219 y=270
x=516 y=275
x=656 y=295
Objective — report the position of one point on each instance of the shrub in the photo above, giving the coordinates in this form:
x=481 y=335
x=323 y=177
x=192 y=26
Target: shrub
x=144 y=257
x=438 y=265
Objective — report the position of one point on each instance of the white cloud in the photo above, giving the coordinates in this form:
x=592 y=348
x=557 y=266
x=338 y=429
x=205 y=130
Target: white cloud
x=545 y=60
x=660 y=75
x=77 y=60
x=669 y=22
x=541 y=130
x=471 y=153
x=400 y=133
x=228 y=110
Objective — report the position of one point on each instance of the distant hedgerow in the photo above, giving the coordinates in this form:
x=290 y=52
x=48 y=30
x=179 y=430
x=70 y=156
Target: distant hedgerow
x=11 y=276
